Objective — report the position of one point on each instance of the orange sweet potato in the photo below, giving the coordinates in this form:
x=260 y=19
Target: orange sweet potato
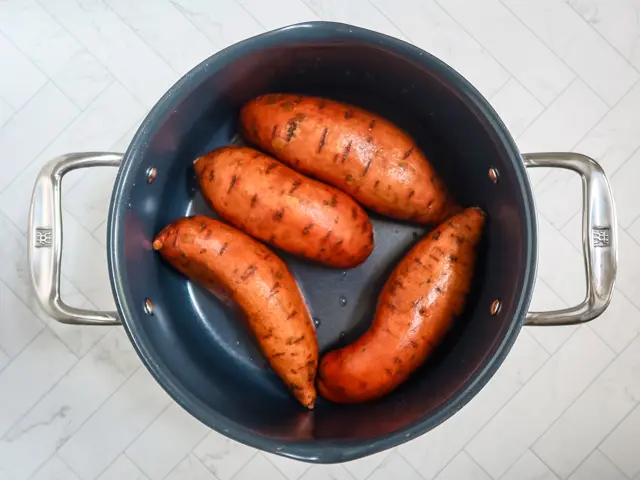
x=357 y=151
x=415 y=310
x=282 y=207
x=241 y=271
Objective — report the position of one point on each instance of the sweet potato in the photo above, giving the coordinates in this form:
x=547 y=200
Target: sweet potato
x=415 y=310
x=282 y=207
x=352 y=149
x=241 y=271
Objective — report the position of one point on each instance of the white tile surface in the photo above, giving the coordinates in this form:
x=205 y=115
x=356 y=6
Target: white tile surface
x=616 y=22
x=259 y=467
x=99 y=126
x=122 y=468
x=25 y=79
x=595 y=467
x=554 y=387
x=517 y=107
x=167 y=441
x=224 y=22
x=55 y=469
x=278 y=13
x=578 y=45
x=75 y=402
x=621 y=445
x=559 y=128
x=118 y=422
x=463 y=466
x=327 y=472
x=363 y=467
x=292 y=469
x=430 y=27
x=31 y=375
x=559 y=195
x=619 y=324
x=182 y=46
x=540 y=71
x=625 y=192
x=223 y=456
x=394 y=465
x=64 y=408
x=529 y=467
x=32 y=128
x=617 y=135
x=593 y=416
x=18 y=324
x=356 y=12
x=4 y=360
x=544 y=300
x=628 y=280
x=56 y=53
x=191 y=469
x=88 y=200
x=116 y=46
x=431 y=452
x=6 y=112
x=559 y=260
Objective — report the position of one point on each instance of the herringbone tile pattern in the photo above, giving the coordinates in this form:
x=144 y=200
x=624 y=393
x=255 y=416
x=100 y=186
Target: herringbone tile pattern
x=75 y=403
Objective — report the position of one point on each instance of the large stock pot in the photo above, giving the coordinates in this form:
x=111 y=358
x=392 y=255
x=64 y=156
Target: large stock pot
x=195 y=348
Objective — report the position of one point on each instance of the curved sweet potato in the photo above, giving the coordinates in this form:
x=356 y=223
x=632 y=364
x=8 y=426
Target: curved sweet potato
x=415 y=310
x=239 y=269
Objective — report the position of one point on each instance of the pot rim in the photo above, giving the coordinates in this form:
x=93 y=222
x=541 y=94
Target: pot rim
x=321 y=451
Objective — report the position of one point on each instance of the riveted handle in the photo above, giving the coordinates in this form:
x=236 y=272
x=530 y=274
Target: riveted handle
x=599 y=238
x=45 y=237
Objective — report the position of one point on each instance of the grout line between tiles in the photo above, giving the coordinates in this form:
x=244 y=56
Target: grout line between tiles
x=41 y=151
x=497 y=61
x=568 y=2
x=48 y=391
x=628 y=414
x=282 y=473
x=615 y=356
x=497 y=412
x=257 y=452
x=133 y=30
x=49 y=78
x=143 y=104
x=544 y=463
x=124 y=450
x=65 y=464
x=558 y=56
x=534 y=374
x=392 y=23
x=50 y=388
x=446 y=12
x=251 y=15
x=180 y=9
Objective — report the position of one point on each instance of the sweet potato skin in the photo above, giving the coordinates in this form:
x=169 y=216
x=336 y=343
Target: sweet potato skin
x=246 y=274
x=277 y=205
x=357 y=151
x=415 y=310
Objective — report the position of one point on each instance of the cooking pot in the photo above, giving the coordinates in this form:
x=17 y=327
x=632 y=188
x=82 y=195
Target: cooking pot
x=205 y=358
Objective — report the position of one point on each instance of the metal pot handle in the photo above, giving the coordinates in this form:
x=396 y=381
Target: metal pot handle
x=599 y=238
x=45 y=237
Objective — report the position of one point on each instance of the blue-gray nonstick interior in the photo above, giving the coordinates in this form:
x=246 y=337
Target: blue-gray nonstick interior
x=203 y=354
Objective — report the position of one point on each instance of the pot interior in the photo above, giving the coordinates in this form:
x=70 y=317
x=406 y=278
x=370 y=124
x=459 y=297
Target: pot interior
x=204 y=355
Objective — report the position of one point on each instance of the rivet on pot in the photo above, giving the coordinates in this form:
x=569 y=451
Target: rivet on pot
x=151 y=174
x=494 y=175
x=148 y=306
x=496 y=306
